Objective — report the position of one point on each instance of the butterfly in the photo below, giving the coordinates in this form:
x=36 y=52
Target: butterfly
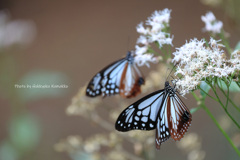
x=162 y=110
x=121 y=77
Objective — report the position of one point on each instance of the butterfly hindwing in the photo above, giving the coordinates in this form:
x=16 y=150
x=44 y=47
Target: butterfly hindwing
x=162 y=128
x=131 y=81
x=141 y=114
x=179 y=117
x=173 y=121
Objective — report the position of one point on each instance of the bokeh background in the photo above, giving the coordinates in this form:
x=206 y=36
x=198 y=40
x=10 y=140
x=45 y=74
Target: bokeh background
x=71 y=41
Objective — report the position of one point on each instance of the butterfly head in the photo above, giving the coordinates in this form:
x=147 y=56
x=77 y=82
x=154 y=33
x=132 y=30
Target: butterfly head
x=130 y=57
x=167 y=84
x=169 y=89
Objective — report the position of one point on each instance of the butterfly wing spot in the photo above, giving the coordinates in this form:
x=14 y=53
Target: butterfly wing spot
x=144 y=119
x=151 y=125
x=139 y=113
x=116 y=90
x=136 y=118
x=113 y=86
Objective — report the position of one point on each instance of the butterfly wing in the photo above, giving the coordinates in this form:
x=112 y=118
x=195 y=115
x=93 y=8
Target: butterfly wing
x=131 y=81
x=122 y=77
x=180 y=117
x=173 y=121
x=141 y=114
x=106 y=82
x=162 y=128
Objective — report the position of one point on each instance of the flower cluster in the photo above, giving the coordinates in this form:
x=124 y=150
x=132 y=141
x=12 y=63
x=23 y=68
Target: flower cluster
x=91 y=146
x=155 y=32
x=235 y=59
x=81 y=104
x=211 y=23
x=15 y=32
x=197 y=60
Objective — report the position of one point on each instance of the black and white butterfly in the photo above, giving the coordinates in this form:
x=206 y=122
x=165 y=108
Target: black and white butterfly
x=162 y=110
x=121 y=77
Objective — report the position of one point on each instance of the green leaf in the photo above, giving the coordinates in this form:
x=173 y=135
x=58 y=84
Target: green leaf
x=8 y=152
x=232 y=88
x=193 y=110
x=204 y=86
x=42 y=84
x=81 y=156
x=237 y=47
x=24 y=132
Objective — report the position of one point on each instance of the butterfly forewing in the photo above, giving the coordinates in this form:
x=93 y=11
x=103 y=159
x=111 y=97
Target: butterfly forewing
x=121 y=77
x=141 y=114
x=105 y=81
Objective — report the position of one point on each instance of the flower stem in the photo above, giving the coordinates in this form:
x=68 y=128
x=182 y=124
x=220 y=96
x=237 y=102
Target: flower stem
x=225 y=42
x=209 y=95
x=202 y=105
x=227 y=96
x=225 y=109
x=220 y=128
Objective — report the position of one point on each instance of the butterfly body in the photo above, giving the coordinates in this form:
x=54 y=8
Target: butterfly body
x=162 y=110
x=121 y=77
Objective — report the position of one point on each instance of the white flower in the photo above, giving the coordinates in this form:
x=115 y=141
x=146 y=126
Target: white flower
x=15 y=32
x=159 y=17
x=195 y=62
x=142 y=40
x=154 y=32
x=141 y=29
x=211 y=23
x=143 y=59
x=235 y=60
x=140 y=50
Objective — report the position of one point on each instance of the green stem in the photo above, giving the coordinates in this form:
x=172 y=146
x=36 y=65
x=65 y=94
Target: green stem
x=151 y=50
x=208 y=95
x=202 y=105
x=195 y=96
x=234 y=105
x=238 y=84
x=227 y=96
x=225 y=109
x=220 y=128
x=225 y=42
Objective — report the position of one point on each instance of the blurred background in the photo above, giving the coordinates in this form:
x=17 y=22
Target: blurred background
x=66 y=42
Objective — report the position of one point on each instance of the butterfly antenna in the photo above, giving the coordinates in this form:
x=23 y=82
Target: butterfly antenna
x=166 y=74
x=171 y=71
x=128 y=41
